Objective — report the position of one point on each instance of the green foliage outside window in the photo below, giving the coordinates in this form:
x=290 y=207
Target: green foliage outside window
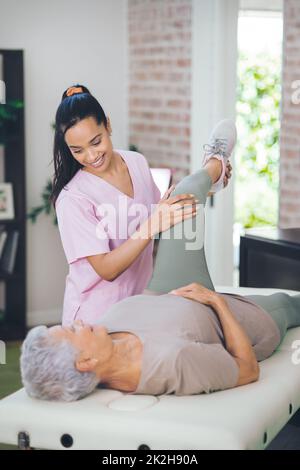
x=257 y=154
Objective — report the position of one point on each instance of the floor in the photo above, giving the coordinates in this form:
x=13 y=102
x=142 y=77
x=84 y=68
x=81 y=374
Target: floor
x=287 y=439
x=289 y=436
x=10 y=376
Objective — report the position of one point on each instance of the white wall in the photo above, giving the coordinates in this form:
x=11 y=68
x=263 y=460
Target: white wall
x=65 y=41
x=265 y=5
x=213 y=99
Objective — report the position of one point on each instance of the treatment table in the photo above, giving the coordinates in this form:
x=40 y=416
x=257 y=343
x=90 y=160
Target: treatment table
x=245 y=417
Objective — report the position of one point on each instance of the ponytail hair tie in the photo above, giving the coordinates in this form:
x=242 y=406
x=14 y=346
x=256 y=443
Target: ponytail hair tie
x=73 y=90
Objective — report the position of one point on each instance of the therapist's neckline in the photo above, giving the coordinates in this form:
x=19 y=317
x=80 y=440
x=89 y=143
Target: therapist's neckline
x=121 y=155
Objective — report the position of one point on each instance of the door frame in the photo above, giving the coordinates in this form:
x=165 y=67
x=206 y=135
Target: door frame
x=214 y=80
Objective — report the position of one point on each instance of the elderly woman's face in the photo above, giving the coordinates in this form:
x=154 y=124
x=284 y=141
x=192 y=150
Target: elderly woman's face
x=93 y=341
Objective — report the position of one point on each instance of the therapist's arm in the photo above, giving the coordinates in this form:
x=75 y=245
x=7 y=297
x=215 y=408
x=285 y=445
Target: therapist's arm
x=168 y=213
x=238 y=343
x=110 y=265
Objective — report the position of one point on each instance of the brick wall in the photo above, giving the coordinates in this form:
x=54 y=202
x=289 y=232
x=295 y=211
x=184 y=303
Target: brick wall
x=289 y=211
x=160 y=81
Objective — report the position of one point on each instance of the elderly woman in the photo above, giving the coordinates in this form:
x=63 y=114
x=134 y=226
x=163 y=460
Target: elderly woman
x=185 y=339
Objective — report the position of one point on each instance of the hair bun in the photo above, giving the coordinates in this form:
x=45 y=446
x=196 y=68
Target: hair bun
x=75 y=90
x=70 y=91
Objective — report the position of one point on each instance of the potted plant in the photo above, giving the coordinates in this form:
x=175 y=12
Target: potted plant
x=45 y=206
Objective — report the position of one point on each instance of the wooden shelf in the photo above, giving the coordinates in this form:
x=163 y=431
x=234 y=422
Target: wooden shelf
x=8 y=277
x=13 y=326
x=10 y=222
x=11 y=332
x=10 y=140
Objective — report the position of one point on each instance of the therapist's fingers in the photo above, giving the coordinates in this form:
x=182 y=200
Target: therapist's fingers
x=182 y=199
x=179 y=209
x=176 y=216
x=168 y=192
x=228 y=170
x=228 y=166
x=227 y=174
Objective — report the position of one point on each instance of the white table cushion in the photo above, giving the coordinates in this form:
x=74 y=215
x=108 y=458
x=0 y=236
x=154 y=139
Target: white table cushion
x=246 y=417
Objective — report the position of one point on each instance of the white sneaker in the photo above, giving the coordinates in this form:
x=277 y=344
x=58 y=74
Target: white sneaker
x=221 y=144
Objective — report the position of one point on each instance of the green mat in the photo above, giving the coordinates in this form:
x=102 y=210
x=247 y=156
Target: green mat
x=10 y=379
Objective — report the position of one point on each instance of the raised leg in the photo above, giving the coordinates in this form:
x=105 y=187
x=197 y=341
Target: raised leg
x=180 y=257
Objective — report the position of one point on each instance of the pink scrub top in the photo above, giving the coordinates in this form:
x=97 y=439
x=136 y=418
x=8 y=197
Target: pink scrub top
x=95 y=217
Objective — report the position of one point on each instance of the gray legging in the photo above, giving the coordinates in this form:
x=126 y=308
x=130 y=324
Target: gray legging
x=176 y=266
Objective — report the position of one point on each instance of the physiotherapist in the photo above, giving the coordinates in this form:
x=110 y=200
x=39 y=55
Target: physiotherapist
x=108 y=209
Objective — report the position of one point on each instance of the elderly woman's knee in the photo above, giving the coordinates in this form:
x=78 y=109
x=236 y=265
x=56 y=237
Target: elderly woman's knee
x=198 y=183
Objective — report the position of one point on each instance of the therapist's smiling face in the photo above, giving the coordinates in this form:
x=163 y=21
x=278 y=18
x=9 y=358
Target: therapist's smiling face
x=90 y=144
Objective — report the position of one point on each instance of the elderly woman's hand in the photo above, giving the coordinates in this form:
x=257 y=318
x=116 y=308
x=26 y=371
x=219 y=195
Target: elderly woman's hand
x=196 y=291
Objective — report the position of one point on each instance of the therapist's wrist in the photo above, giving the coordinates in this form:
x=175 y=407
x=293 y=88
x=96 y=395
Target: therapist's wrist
x=144 y=232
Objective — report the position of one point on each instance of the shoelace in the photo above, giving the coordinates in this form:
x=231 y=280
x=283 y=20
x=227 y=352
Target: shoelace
x=217 y=148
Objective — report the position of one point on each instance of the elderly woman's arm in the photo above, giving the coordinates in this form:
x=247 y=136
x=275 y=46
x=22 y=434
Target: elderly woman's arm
x=237 y=341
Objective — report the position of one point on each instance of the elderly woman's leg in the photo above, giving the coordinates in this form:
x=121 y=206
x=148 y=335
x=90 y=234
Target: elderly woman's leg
x=283 y=308
x=180 y=257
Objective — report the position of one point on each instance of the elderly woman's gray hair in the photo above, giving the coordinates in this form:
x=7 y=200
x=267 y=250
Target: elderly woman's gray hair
x=48 y=368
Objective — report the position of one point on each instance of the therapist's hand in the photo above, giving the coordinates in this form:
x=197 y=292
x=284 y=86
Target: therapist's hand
x=167 y=193
x=172 y=210
x=226 y=179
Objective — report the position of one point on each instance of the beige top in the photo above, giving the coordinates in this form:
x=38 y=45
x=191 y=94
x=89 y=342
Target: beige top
x=183 y=342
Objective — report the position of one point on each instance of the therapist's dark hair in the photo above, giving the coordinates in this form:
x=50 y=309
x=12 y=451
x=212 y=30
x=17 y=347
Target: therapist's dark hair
x=71 y=110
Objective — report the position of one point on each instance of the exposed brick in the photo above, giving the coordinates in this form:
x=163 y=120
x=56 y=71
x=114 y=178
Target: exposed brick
x=160 y=35
x=289 y=212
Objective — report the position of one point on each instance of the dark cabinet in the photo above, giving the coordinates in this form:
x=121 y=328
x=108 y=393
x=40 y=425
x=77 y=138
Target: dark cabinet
x=13 y=316
x=270 y=258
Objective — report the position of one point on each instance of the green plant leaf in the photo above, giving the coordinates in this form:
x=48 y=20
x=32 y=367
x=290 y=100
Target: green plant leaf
x=257 y=153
